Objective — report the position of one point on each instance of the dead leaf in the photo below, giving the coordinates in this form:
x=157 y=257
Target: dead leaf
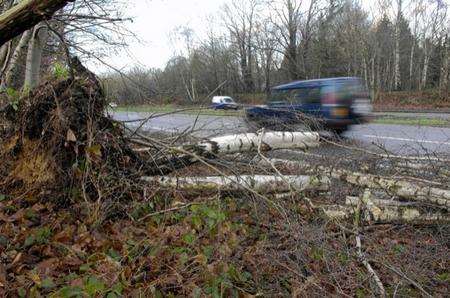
x=2 y=275
x=71 y=136
x=16 y=259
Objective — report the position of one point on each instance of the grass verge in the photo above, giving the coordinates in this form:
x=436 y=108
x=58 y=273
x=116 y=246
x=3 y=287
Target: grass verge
x=184 y=110
x=436 y=122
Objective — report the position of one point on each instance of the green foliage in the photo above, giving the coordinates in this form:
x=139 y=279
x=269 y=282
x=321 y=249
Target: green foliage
x=21 y=292
x=317 y=253
x=399 y=249
x=48 y=283
x=94 y=286
x=444 y=277
x=142 y=209
x=3 y=197
x=39 y=237
x=13 y=97
x=204 y=216
x=189 y=238
x=60 y=71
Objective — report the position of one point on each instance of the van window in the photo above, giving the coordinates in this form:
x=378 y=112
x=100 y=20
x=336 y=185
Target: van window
x=306 y=95
x=279 y=95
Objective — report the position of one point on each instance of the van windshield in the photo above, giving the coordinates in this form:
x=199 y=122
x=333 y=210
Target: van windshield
x=298 y=96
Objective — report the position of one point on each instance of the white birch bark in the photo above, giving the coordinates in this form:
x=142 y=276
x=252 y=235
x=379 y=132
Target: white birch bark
x=14 y=62
x=248 y=142
x=385 y=214
x=426 y=62
x=258 y=183
x=36 y=46
x=4 y=53
x=265 y=141
x=413 y=191
x=374 y=210
x=445 y=70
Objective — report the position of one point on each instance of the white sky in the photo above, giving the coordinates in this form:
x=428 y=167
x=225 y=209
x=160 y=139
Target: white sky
x=155 y=20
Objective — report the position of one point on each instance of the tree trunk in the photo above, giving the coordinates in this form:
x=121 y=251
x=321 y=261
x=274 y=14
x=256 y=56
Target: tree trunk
x=4 y=49
x=444 y=78
x=386 y=214
x=3 y=53
x=426 y=62
x=240 y=143
x=257 y=183
x=405 y=189
x=36 y=46
x=14 y=63
x=25 y=15
x=411 y=64
x=397 y=78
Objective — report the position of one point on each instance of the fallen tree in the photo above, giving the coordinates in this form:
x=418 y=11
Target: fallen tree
x=257 y=183
x=25 y=15
x=378 y=214
x=60 y=142
x=189 y=154
x=401 y=188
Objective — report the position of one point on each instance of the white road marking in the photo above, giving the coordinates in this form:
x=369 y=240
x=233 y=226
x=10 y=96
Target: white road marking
x=407 y=140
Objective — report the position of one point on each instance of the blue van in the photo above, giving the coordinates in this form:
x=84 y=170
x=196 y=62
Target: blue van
x=334 y=104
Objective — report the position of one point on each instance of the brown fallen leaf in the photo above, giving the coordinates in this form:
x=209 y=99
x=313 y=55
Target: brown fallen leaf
x=71 y=136
x=17 y=259
x=2 y=275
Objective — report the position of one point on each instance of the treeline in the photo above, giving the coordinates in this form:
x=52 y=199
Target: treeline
x=400 y=45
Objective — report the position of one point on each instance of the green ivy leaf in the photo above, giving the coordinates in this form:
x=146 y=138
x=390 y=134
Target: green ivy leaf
x=48 y=283
x=94 y=286
x=189 y=238
x=70 y=292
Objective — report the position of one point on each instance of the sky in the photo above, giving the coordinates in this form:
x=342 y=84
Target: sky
x=154 y=22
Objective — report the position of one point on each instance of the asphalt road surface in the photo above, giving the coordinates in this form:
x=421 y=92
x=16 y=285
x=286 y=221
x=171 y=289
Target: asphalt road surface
x=397 y=139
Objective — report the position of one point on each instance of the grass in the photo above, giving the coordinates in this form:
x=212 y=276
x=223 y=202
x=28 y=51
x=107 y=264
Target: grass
x=413 y=121
x=183 y=110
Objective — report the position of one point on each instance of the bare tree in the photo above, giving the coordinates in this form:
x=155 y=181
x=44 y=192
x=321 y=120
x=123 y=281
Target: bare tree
x=286 y=19
x=240 y=18
x=433 y=23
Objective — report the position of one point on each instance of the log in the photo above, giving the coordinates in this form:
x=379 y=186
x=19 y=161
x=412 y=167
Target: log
x=257 y=183
x=25 y=15
x=385 y=214
x=401 y=188
x=264 y=141
x=238 y=143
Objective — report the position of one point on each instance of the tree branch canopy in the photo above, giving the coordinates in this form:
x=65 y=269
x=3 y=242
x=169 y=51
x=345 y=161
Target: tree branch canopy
x=25 y=15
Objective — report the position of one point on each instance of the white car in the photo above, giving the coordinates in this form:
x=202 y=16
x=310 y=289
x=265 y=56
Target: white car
x=224 y=103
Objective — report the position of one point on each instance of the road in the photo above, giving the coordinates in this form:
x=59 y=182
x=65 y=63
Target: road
x=397 y=139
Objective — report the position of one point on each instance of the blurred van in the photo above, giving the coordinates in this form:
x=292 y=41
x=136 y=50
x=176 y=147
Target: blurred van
x=332 y=104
